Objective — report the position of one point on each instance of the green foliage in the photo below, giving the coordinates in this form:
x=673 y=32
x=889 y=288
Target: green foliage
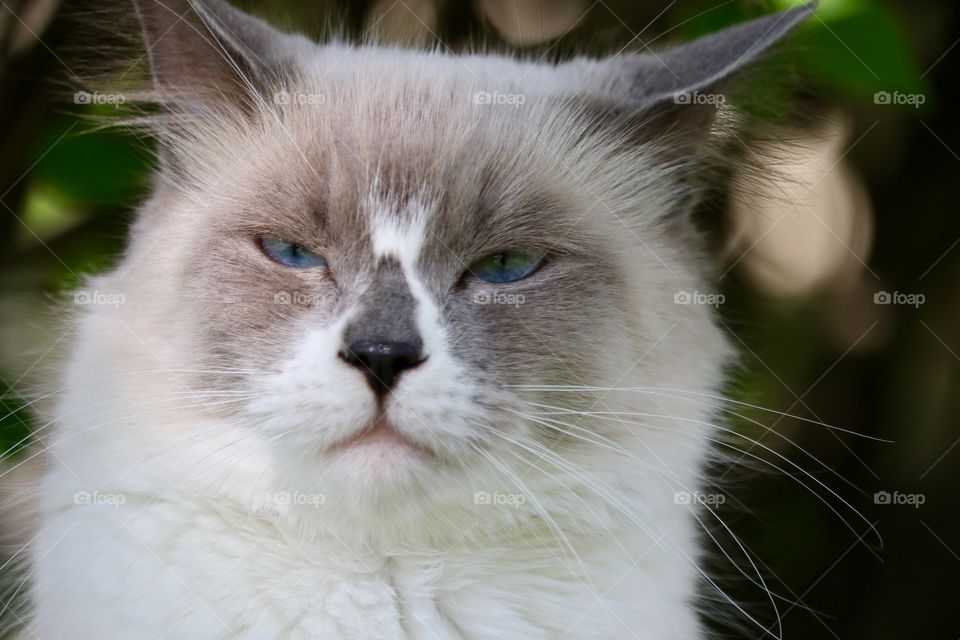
x=89 y=168
x=851 y=48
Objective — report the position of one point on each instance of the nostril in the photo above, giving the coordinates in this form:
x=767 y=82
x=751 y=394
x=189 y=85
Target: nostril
x=382 y=362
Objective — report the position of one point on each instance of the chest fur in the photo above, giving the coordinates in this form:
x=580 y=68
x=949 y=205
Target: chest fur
x=185 y=571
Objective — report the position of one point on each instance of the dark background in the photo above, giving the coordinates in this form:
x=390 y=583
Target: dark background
x=800 y=292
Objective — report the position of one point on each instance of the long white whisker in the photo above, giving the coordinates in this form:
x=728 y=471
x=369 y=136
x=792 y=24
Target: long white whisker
x=75 y=434
x=774 y=452
x=720 y=401
x=37 y=431
x=612 y=445
x=124 y=374
x=560 y=462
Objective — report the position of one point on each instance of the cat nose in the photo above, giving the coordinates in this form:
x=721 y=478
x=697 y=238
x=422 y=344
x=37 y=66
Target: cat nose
x=382 y=362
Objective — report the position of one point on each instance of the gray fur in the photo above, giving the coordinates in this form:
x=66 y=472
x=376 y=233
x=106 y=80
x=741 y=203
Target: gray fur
x=386 y=310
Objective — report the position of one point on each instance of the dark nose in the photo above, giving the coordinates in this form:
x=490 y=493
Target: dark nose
x=382 y=362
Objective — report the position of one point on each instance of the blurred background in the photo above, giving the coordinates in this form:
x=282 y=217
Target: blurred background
x=840 y=285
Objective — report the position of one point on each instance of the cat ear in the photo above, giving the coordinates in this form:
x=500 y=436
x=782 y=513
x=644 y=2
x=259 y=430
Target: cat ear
x=686 y=83
x=205 y=50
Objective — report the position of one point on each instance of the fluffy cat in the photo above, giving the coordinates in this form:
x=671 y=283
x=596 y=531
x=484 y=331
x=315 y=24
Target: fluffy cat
x=395 y=350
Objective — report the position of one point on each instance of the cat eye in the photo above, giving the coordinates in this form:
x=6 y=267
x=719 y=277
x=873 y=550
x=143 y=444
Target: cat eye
x=506 y=266
x=290 y=254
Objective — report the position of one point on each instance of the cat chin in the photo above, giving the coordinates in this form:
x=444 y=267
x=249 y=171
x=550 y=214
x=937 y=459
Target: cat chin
x=366 y=471
x=380 y=462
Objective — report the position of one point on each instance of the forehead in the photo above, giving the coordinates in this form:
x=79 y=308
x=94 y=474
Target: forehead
x=374 y=153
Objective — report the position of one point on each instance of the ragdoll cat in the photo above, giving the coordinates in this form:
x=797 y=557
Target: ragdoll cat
x=397 y=348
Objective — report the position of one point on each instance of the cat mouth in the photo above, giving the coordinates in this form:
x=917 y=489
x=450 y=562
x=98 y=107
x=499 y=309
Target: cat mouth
x=383 y=435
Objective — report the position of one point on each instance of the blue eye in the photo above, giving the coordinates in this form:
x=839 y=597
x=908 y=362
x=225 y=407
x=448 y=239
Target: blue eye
x=290 y=254
x=506 y=266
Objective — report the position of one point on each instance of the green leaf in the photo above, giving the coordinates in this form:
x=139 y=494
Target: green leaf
x=860 y=53
x=85 y=168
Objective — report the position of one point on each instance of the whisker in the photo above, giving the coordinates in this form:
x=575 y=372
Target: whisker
x=124 y=374
x=612 y=445
x=35 y=433
x=720 y=401
x=770 y=450
x=75 y=434
x=558 y=461
x=547 y=518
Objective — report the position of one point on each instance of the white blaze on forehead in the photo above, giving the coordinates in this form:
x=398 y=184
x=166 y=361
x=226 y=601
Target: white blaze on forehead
x=397 y=234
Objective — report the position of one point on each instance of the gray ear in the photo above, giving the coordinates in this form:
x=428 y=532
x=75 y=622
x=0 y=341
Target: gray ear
x=207 y=49
x=670 y=82
x=705 y=64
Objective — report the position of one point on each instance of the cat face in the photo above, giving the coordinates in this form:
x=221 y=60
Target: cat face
x=404 y=261
x=452 y=257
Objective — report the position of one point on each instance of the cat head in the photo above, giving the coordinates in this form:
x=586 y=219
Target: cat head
x=419 y=271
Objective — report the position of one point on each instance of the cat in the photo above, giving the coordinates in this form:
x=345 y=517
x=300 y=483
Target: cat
x=399 y=347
